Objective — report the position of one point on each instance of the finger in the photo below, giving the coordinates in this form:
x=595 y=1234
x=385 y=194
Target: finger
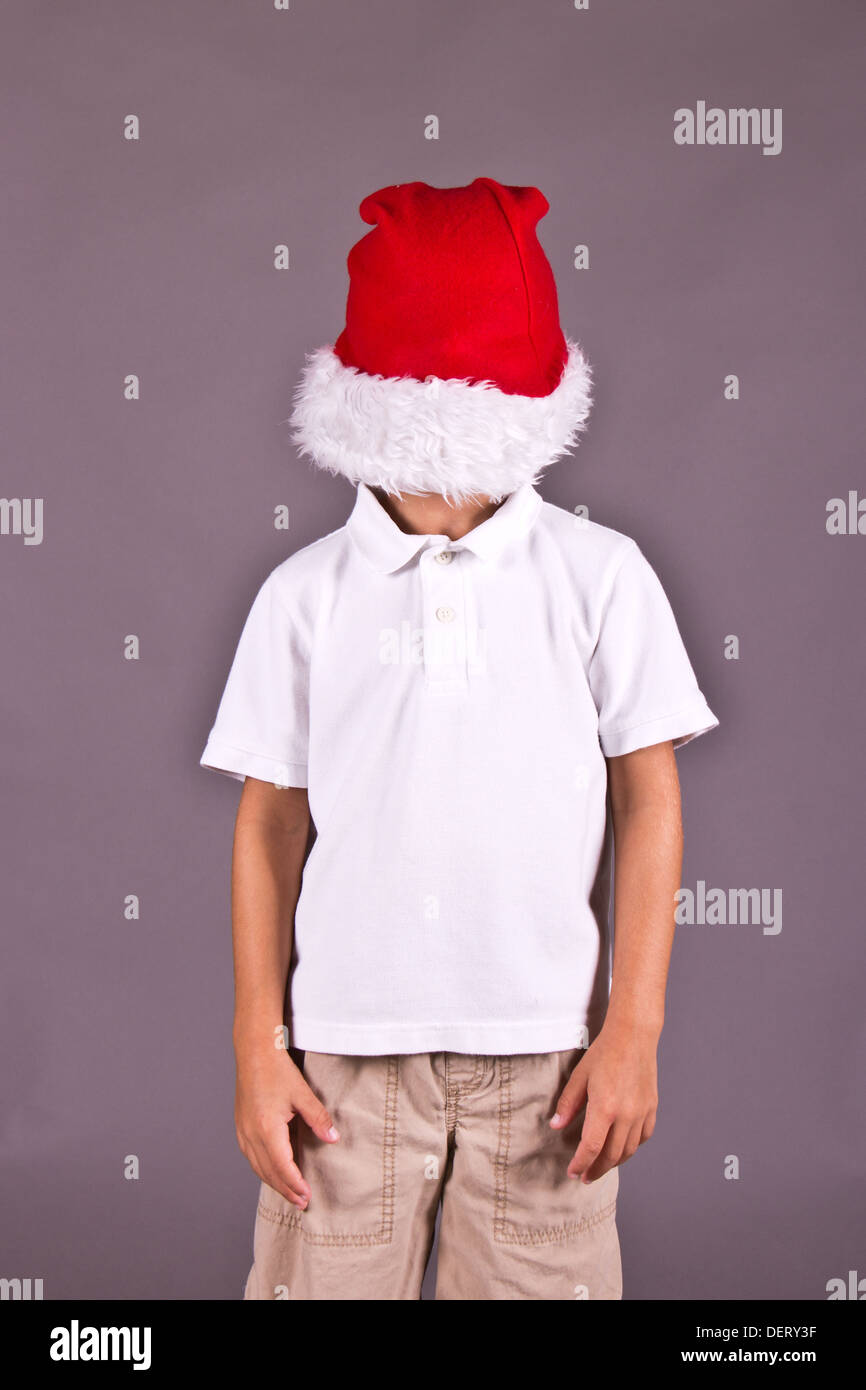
x=633 y=1142
x=259 y=1160
x=572 y=1100
x=280 y=1159
x=611 y=1153
x=649 y=1125
x=630 y=1140
x=593 y=1137
x=313 y=1112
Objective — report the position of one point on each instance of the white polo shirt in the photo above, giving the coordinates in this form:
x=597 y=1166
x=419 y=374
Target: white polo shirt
x=449 y=706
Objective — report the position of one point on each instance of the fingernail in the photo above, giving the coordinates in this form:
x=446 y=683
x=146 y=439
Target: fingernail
x=557 y=1119
x=332 y=1133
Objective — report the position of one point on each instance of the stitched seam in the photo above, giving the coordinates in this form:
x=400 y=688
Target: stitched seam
x=468 y=1088
x=504 y=1231
x=259 y=753
x=675 y=714
x=389 y=1149
x=476 y=1079
x=549 y=1235
x=500 y=1163
x=450 y=1100
x=364 y=1030
x=294 y=1220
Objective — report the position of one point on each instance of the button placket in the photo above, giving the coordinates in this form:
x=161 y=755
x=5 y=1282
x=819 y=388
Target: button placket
x=445 y=661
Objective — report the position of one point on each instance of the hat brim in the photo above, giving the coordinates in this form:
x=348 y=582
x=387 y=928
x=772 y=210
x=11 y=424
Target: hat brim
x=459 y=439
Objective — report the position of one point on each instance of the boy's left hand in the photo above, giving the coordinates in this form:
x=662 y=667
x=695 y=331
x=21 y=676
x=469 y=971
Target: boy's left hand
x=617 y=1079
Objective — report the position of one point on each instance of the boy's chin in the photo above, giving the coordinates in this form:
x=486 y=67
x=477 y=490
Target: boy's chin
x=459 y=486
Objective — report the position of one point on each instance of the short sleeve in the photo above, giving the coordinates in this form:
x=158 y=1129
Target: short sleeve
x=642 y=681
x=262 y=723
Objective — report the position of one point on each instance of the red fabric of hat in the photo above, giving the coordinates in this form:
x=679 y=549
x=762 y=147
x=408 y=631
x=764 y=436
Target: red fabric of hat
x=453 y=283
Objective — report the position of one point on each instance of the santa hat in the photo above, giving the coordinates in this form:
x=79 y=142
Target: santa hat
x=452 y=374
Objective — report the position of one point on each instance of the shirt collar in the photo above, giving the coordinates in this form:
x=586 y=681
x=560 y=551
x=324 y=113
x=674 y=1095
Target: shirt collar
x=387 y=548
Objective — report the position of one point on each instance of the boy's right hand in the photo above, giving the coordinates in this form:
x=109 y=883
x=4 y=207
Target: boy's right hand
x=270 y=1091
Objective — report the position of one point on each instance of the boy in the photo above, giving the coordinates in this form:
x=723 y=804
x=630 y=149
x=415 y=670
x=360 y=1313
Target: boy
x=467 y=693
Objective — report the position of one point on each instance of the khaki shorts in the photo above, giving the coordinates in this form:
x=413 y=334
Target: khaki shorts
x=471 y=1131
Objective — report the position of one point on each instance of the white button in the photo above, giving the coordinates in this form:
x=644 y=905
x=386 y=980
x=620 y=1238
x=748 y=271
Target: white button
x=445 y=615
x=445 y=557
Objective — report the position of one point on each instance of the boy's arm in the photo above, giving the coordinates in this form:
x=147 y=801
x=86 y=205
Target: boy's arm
x=617 y=1075
x=270 y=843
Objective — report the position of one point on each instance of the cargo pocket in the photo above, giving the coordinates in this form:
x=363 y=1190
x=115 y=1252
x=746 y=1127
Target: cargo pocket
x=352 y=1182
x=535 y=1202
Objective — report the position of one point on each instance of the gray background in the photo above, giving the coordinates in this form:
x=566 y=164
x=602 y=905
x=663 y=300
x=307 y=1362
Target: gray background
x=155 y=257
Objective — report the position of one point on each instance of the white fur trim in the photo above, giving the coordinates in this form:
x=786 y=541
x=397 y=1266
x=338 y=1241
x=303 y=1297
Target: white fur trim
x=459 y=439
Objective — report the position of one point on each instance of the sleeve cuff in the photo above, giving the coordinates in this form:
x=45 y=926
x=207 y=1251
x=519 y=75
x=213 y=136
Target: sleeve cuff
x=241 y=762
x=687 y=724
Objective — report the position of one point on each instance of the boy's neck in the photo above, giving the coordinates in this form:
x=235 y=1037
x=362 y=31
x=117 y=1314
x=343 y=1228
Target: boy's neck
x=430 y=514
